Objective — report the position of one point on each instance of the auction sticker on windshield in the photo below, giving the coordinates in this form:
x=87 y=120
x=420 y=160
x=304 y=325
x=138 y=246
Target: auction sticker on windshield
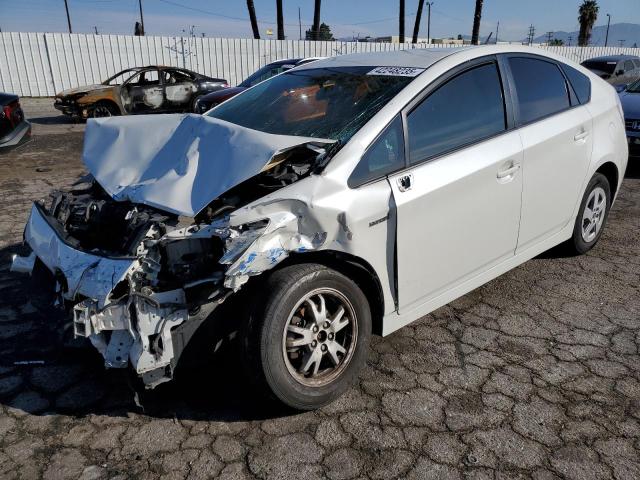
x=396 y=71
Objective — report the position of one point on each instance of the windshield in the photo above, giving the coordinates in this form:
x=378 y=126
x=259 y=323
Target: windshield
x=331 y=103
x=606 y=67
x=264 y=73
x=634 y=87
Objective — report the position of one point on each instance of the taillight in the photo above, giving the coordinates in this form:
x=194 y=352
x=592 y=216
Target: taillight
x=13 y=113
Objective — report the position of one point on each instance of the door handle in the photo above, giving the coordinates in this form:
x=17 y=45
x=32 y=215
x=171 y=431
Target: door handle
x=581 y=136
x=405 y=182
x=509 y=171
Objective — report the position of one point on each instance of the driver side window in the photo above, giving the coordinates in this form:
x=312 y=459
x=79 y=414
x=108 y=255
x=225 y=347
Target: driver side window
x=384 y=156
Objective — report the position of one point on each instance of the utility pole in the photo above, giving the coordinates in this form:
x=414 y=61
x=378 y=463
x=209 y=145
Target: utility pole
x=66 y=7
x=416 y=26
x=401 y=23
x=549 y=35
x=621 y=42
x=570 y=38
x=299 y=23
x=141 y=19
x=532 y=32
x=429 y=21
x=606 y=38
x=95 y=29
x=497 y=30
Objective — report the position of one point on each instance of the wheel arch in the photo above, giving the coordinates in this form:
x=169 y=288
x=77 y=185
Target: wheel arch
x=354 y=268
x=610 y=171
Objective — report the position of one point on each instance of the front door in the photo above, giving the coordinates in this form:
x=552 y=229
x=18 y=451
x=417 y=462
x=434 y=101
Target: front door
x=458 y=203
x=557 y=140
x=143 y=93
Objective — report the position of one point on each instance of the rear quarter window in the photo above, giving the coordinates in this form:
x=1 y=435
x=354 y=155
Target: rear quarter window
x=579 y=82
x=541 y=88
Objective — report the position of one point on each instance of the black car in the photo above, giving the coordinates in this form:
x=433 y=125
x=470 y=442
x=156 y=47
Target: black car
x=210 y=100
x=153 y=89
x=13 y=127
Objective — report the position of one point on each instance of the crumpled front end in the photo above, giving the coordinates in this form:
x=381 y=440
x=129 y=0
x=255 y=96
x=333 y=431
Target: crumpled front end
x=126 y=305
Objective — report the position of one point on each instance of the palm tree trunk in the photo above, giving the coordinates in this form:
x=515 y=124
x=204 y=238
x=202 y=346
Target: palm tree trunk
x=316 y=20
x=477 y=16
x=253 y=19
x=401 y=21
x=280 y=20
x=416 y=26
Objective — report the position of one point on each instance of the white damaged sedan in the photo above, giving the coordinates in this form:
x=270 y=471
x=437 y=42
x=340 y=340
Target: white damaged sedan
x=349 y=196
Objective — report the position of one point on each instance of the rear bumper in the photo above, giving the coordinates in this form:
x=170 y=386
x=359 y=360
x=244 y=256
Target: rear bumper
x=18 y=135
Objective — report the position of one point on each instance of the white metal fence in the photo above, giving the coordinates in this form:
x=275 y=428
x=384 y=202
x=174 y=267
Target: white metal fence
x=42 y=64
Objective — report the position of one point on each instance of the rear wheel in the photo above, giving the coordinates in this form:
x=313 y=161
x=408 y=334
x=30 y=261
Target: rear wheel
x=308 y=339
x=592 y=216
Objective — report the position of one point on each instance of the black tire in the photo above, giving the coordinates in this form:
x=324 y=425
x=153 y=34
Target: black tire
x=193 y=103
x=577 y=243
x=104 y=109
x=264 y=337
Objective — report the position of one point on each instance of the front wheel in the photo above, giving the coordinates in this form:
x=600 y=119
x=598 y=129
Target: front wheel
x=308 y=339
x=104 y=109
x=592 y=216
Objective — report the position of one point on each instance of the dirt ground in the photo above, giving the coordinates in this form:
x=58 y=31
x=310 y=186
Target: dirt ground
x=534 y=375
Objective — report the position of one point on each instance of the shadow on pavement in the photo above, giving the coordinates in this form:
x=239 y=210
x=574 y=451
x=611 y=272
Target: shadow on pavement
x=43 y=372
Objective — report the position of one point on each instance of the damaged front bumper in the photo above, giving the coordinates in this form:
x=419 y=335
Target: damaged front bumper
x=146 y=329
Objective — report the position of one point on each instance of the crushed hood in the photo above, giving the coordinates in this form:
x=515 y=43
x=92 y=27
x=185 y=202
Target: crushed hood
x=178 y=163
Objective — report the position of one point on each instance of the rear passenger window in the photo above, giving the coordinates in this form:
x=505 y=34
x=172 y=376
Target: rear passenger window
x=580 y=83
x=385 y=155
x=540 y=87
x=466 y=109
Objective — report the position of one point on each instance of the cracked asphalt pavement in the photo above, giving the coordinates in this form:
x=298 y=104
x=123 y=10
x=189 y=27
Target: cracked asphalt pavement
x=534 y=375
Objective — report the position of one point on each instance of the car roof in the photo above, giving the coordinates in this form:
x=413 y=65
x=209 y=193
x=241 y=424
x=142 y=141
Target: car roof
x=613 y=58
x=417 y=57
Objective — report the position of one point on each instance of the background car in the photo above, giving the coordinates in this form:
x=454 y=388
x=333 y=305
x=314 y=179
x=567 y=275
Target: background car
x=13 y=126
x=615 y=69
x=630 y=99
x=209 y=101
x=153 y=89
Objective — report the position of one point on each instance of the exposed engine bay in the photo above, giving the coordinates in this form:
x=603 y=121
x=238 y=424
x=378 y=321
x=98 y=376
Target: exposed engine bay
x=139 y=280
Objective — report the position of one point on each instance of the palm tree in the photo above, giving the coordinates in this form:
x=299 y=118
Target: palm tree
x=316 y=20
x=253 y=19
x=280 y=20
x=401 y=19
x=416 y=26
x=588 y=15
x=477 y=16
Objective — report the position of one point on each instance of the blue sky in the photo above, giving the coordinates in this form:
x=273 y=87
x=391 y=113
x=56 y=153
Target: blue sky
x=228 y=18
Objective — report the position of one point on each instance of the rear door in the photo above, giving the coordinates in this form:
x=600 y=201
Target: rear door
x=458 y=202
x=556 y=132
x=143 y=93
x=179 y=86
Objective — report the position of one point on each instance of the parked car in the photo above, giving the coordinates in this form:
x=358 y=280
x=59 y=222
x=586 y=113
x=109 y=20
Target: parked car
x=630 y=99
x=153 y=89
x=14 y=129
x=615 y=69
x=210 y=100
x=351 y=195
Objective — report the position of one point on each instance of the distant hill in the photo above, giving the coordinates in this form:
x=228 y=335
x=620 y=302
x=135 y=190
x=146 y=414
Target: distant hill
x=630 y=32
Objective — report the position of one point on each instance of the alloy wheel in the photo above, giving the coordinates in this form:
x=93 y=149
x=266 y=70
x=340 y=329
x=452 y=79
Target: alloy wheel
x=320 y=337
x=594 y=213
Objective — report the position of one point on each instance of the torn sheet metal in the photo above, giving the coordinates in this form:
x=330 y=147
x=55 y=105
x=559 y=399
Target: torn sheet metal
x=85 y=274
x=178 y=163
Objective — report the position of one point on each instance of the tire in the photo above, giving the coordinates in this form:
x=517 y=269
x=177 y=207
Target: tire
x=104 y=109
x=193 y=103
x=589 y=227
x=276 y=369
